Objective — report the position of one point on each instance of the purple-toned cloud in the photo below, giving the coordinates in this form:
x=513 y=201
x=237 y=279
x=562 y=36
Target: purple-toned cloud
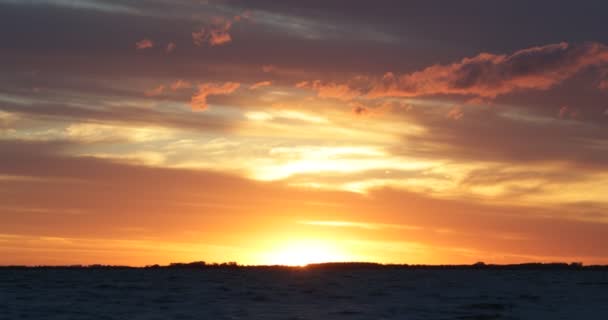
x=170 y=47
x=144 y=44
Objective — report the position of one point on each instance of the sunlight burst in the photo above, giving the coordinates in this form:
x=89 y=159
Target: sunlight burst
x=304 y=252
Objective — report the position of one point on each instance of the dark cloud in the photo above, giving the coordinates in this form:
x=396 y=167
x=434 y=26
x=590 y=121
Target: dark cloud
x=507 y=136
x=490 y=75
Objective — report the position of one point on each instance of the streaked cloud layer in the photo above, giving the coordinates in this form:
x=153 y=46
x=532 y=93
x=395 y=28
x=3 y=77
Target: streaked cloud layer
x=231 y=130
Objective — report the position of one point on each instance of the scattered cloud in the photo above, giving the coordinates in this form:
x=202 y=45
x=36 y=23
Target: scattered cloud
x=455 y=113
x=302 y=85
x=567 y=112
x=155 y=92
x=180 y=84
x=330 y=90
x=217 y=33
x=260 y=84
x=170 y=47
x=144 y=44
x=199 y=100
x=269 y=68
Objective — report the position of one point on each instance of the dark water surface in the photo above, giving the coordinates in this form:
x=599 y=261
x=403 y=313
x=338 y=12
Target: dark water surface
x=280 y=293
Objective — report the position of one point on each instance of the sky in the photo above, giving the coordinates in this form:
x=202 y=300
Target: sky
x=137 y=132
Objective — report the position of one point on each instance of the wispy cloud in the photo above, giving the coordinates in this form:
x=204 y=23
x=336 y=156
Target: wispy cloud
x=260 y=84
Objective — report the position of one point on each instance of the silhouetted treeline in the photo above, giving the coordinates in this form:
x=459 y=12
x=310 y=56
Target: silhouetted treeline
x=337 y=266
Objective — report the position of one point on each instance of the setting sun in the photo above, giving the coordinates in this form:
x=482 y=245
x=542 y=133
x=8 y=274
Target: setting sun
x=304 y=252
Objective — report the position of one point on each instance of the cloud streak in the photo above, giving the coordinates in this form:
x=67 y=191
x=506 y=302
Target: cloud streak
x=260 y=84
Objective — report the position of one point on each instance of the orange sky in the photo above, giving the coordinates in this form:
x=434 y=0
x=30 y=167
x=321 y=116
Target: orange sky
x=268 y=133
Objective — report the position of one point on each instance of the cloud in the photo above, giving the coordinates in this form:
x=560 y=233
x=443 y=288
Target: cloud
x=260 y=84
x=492 y=135
x=302 y=85
x=216 y=34
x=199 y=100
x=180 y=84
x=490 y=75
x=170 y=47
x=330 y=89
x=120 y=115
x=455 y=113
x=144 y=44
x=269 y=68
x=155 y=92
x=567 y=112
x=7 y=119
x=360 y=110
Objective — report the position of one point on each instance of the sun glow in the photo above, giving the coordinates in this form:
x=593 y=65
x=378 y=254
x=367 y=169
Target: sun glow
x=304 y=252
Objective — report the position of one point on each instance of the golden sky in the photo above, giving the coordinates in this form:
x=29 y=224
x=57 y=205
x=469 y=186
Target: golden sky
x=302 y=131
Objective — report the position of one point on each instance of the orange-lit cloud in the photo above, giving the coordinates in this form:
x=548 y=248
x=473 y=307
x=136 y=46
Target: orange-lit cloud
x=489 y=75
x=260 y=84
x=144 y=44
x=199 y=100
x=218 y=32
x=330 y=89
x=180 y=84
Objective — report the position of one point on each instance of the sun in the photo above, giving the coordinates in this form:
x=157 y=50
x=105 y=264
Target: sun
x=304 y=252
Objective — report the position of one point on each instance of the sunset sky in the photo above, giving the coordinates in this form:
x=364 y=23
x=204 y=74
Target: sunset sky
x=138 y=132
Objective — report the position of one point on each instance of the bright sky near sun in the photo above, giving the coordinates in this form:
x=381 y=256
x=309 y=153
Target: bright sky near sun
x=296 y=132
